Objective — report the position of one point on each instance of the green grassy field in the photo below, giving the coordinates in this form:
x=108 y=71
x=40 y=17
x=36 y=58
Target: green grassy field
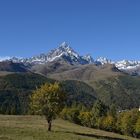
x=35 y=128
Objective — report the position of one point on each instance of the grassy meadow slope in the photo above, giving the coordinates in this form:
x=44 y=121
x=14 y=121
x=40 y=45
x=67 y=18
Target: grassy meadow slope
x=87 y=73
x=35 y=128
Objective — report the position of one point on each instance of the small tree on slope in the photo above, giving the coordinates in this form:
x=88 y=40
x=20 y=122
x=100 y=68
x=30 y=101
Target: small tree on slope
x=48 y=101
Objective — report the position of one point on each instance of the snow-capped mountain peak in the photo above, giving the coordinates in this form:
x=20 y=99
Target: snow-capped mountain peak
x=65 y=46
x=64 y=51
x=13 y=59
x=126 y=64
x=4 y=58
x=104 y=60
x=88 y=58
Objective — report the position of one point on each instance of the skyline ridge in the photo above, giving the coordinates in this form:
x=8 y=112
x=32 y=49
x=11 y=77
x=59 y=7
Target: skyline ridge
x=66 y=46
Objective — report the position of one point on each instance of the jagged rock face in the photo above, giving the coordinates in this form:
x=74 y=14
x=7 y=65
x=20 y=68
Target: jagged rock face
x=64 y=51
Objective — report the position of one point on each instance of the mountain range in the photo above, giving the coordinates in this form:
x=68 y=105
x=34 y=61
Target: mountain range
x=84 y=79
x=66 y=54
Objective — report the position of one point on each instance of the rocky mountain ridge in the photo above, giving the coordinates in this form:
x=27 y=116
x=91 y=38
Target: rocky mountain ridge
x=66 y=53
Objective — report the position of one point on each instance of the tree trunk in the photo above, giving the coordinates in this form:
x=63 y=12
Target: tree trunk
x=49 y=125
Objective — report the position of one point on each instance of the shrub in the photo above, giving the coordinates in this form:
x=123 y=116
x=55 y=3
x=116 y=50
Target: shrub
x=85 y=118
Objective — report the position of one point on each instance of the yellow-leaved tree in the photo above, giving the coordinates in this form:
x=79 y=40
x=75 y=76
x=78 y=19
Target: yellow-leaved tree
x=48 y=100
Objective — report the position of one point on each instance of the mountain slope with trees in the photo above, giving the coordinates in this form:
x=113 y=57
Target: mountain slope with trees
x=15 y=90
x=110 y=85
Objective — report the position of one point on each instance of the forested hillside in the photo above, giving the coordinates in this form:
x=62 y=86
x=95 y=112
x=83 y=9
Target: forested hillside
x=15 y=90
x=123 y=91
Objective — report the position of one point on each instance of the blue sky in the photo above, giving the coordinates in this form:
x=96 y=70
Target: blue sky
x=109 y=28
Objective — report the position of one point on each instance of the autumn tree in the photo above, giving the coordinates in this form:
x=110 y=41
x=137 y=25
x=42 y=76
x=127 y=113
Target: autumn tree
x=109 y=123
x=127 y=122
x=85 y=118
x=48 y=100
